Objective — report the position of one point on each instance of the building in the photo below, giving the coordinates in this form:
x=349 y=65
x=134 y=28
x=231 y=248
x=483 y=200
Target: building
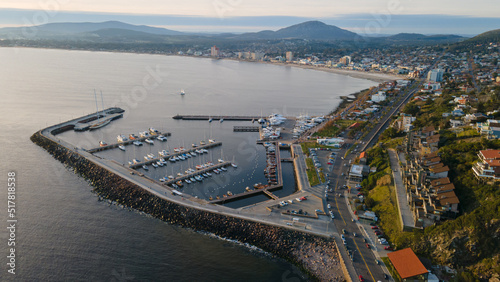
x=214 y=51
x=257 y=56
x=379 y=97
x=346 y=60
x=435 y=75
x=404 y=122
x=490 y=128
x=289 y=56
x=334 y=142
x=356 y=173
x=488 y=166
x=408 y=266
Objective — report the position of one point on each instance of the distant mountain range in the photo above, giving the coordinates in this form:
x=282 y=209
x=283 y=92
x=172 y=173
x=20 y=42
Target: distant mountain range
x=115 y=31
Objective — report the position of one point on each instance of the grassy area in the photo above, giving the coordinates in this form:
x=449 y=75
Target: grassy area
x=322 y=177
x=332 y=128
x=312 y=175
x=391 y=269
x=393 y=143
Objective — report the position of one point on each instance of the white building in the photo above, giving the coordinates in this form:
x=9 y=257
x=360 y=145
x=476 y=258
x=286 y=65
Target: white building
x=379 y=97
x=435 y=75
x=334 y=142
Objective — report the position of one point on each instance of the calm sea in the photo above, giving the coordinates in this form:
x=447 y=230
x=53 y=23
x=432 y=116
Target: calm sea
x=64 y=233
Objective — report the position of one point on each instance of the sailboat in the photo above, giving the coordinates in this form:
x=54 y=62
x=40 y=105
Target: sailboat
x=99 y=123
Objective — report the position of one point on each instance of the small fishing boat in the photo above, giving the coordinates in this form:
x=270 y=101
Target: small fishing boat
x=121 y=147
x=145 y=167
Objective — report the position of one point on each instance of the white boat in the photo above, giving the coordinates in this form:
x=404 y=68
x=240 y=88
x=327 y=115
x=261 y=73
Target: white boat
x=163 y=153
x=149 y=141
x=193 y=154
x=203 y=143
x=145 y=167
x=187 y=181
x=159 y=163
x=121 y=138
x=121 y=147
x=151 y=156
x=102 y=143
x=162 y=179
x=208 y=173
x=221 y=120
x=210 y=119
x=220 y=160
x=153 y=131
x=182 y=92
x=170 y=177
x=154 y=165
x=147 y=158
x=234 y=165
x=180 y=174
x=162 y=138
x=135 y=161
x=138 y=143
x=211 y=141
x=223 y=169
x=144 y=134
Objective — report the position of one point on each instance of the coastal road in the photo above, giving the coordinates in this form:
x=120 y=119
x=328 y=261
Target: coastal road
x=364 y=260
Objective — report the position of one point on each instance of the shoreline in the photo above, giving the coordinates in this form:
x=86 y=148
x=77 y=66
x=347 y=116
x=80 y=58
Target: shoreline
x=372 y=76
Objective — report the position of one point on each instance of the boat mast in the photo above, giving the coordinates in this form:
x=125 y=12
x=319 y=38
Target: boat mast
x=102 y=101
x=96 y=106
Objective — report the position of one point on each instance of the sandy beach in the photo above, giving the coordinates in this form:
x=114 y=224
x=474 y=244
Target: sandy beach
x=373 y=76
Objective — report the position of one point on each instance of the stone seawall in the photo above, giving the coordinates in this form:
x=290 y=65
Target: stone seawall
x=315 y=255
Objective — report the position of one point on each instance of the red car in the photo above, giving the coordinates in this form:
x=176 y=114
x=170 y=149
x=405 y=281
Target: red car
x=374 y=227
x=361 y=278
x=388 y=248
x=367 y=246
x=355 y=212
x=359 y=194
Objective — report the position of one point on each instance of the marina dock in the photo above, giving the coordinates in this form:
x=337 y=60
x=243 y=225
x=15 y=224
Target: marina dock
x=204 y=117
x=128 y=142
x=266 y=191
x=189 y=175
x=246 y=128
x=209 y=145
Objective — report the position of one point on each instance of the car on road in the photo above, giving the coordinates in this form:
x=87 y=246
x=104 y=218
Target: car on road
x=367 y=246
x=354 y=234
x=332 y=216
x=375 y=227
x=361 y=278
x=373 y=223
x=342 y=236
x=329 y=206
x=388 y=248
x=344 y=231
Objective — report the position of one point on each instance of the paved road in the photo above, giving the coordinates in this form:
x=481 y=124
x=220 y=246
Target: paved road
x=404 y=208
x=364 y=259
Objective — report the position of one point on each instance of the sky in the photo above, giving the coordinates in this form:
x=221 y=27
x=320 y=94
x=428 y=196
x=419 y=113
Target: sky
x=361 y=16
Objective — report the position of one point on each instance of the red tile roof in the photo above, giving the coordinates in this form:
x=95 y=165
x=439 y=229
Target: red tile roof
x=407 y=263
x=491 y=154
x=362 y=155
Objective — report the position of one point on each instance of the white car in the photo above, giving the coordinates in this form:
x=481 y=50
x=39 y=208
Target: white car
x=329 y=206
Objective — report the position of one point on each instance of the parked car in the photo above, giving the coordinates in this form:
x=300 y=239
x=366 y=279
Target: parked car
x=375 y=227
x=367 y=246
x=388 y=248
x=361 y=278
x=344 y=231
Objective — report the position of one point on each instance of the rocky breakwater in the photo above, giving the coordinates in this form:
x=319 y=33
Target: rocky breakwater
x=315 y=255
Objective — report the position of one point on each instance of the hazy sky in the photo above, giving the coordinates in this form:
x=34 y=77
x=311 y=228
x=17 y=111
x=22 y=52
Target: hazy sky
x=300 y=8
x=362 y=16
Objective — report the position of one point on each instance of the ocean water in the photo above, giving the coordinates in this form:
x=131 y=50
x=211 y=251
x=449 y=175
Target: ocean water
x=64 y=233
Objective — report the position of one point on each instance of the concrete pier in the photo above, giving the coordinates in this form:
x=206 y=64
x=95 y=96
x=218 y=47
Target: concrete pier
x=128 y=142
x=204 y=117
x=246 y=128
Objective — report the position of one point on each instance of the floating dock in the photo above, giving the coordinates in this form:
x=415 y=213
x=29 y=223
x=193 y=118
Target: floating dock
x=197 y=172
x=128 y=142
x=209 y=145
x=246 y=128
x=265 y=191
x=203 y=117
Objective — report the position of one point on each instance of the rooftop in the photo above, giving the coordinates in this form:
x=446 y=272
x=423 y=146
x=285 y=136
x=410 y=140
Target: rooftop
x=407 y=263
x=490 y=154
